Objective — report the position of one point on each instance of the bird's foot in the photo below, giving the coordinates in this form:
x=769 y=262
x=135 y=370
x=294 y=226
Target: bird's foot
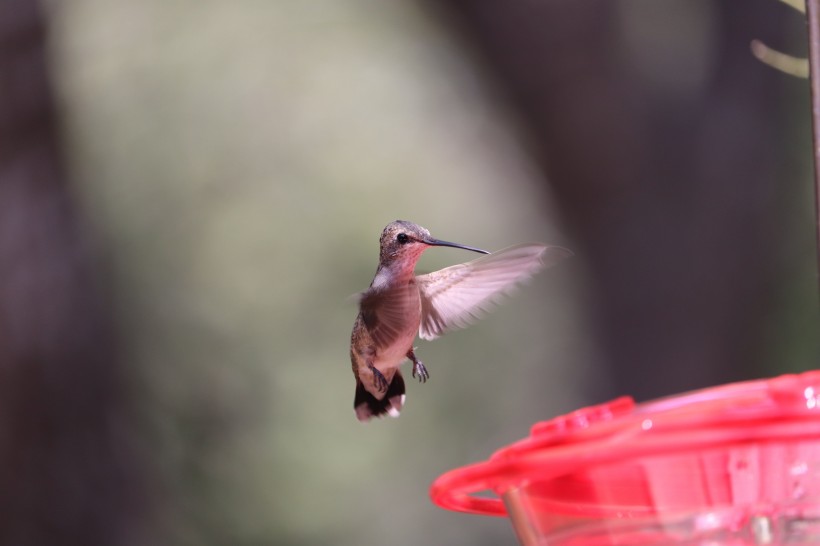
x=419 y=368
x=381 y=382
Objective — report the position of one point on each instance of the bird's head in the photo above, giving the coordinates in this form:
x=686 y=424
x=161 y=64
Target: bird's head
x=402 y=243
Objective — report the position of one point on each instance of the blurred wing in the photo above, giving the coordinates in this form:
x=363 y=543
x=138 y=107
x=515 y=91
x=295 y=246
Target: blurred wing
x=385 y=312
x=454 y=297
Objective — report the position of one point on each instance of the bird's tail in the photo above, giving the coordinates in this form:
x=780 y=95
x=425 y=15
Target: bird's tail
x=368 y=406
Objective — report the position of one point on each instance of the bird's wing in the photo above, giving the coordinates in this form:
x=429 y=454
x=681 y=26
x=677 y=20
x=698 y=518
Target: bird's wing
x=454 y=297
x=385 y=311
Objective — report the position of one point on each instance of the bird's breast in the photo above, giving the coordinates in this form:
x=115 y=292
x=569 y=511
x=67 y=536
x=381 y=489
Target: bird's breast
x=406 y=329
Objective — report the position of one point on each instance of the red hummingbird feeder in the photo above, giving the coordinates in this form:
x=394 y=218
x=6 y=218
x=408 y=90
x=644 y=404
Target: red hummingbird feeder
x=737 y=464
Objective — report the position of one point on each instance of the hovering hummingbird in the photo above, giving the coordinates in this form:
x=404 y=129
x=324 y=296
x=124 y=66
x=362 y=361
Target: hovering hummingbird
x=398 y=305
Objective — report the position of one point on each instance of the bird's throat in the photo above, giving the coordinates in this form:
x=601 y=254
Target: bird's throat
x=393 y=274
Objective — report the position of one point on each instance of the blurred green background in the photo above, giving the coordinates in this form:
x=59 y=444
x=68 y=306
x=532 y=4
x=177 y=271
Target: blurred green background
x=240 y=161
x=237 y=162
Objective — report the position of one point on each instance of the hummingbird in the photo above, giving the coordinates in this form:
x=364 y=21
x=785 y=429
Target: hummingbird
x=399 y=304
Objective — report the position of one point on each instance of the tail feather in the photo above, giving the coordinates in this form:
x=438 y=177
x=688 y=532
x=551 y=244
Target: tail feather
x=368 y=406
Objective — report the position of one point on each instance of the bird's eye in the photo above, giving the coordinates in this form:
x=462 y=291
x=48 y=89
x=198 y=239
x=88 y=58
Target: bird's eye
x=402 y=238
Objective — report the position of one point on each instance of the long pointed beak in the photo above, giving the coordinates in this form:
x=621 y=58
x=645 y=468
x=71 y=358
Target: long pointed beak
x=438 y=242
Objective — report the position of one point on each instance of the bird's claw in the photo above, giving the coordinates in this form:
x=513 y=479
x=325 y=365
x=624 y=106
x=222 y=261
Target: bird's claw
x=381 y=382
x=419 y=368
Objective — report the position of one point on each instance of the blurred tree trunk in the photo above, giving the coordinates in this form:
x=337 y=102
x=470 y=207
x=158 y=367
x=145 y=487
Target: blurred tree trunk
x=64 y=467
x=671 y=197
